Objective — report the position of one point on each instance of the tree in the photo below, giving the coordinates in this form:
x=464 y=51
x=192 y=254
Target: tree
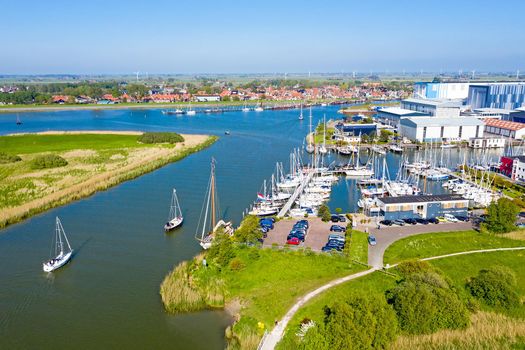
x=501 y=216
x=384 y=135
x=364 y=138
x=324 y=213
x=425 y=303
x=361 y=322
x=495 y=286
x=249 y=231
x=221 y=251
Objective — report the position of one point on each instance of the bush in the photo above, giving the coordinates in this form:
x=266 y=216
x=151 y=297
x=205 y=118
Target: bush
x=221 y=251
x=324 y=213
x=48 y=161
x=249 y=231
x=425 y=303
x=495 y=286
x=8 y=158
x=501 y=216
x=160 y=137
x=236 y=264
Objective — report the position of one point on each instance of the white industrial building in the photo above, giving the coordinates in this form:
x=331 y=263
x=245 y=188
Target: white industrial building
x=497 y=95
x=486 y=142
x=392 y=115
x=426 y=129
x=432 y=90
x=435 y=108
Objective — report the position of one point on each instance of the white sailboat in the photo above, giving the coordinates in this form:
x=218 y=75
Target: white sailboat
x=175 y=219
x=190 y=111
x=245 y=108
x=61 y=254
x=258 y=109
x=301 y=117
x=210 y=223
x=310 y=147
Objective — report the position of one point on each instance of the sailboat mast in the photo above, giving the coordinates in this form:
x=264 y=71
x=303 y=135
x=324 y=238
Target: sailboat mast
x=212 y=189
x=59 y=235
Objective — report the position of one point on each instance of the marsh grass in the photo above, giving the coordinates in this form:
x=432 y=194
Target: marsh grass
x=488 y=330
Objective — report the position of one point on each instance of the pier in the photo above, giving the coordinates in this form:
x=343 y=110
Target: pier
x=286 y=208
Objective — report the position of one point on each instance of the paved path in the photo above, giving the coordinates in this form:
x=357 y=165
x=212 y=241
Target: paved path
x=272 y=338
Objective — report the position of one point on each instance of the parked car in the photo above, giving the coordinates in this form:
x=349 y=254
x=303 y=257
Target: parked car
x=410 y=221
x=372 y=240
x=299 y=235
x=341 y=218
x=337 y=228
x=301 y=226
x=422 y=221
x=304 y=222
x=441 y=219
x=264 y=229
x=398 y=222
x=386 y=222
x=450 y=218
x=293 y=241
x=336 y=237
x=520 y=225
x=433 y=221
x=334 y=218
x=462 y=218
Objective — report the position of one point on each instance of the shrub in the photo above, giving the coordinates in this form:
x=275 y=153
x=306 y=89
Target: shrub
x=249 y=231
x=324 y=213
x=8 y=158
x=48 y=161
x=495 y=286
x=236 y=264
x=160 y=137
x=501 y=216
x=221 y=251
x=425 y=303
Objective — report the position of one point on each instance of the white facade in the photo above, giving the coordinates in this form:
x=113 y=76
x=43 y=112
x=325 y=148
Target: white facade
x=441 y=90
x=207 y=98
x=436 y=108
x=518 y=168
x=441 y=129
x=487 y=142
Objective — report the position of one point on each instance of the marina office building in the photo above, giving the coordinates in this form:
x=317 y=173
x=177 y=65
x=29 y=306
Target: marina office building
x=426 y=207
x=496 y=95
x=426 y=129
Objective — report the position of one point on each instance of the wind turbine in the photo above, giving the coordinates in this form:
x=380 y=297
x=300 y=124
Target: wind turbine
x=137 y=73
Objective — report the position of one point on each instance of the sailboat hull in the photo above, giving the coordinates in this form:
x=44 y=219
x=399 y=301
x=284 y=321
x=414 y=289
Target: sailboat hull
x=57 y=262
x=173 y=224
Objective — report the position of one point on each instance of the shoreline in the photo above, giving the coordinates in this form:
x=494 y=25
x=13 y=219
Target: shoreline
x=105 y=180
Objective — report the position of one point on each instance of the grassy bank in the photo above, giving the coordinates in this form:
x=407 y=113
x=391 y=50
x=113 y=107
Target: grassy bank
x=440 y=243
x=94 y=162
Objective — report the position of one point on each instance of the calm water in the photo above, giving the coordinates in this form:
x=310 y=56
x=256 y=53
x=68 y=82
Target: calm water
x=108 y=295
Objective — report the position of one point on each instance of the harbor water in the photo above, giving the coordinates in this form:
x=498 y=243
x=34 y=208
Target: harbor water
x=108 y=296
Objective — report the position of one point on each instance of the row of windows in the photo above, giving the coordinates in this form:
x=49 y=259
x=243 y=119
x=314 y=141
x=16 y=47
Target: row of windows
x=419 y=207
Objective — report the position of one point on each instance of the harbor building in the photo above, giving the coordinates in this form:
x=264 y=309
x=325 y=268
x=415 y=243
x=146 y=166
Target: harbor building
x=435 y=108
x=513 y=167
x=487 y=142
x=505 y=128
x=496 y=95
x=392 y=115
x=207 y=98
x=356 y=129
x=433 y=90
x=426 y=129
x=426 y=207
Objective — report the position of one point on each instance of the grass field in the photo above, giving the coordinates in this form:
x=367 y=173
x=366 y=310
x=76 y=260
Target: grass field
x=439 y=243
x=359 y=247
x=94 y=162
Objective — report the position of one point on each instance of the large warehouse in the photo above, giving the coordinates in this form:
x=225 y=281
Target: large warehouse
x=436 y=108
x=441 y=90
x=505 y=128
x=393 y=115
x=428 y=206
x=426 y=129
x=496 y=95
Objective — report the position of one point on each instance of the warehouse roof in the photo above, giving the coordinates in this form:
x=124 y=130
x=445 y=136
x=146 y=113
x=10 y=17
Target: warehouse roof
x=438 y=121
x=400 y=111
x=422 y=199
x=435 y=102
x=504 y=124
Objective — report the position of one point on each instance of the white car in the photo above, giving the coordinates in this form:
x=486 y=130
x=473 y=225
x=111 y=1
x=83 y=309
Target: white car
x=450 y=218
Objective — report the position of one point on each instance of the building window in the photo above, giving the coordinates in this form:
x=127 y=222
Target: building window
x=442 y=131
x=447 y=205
x=424 y=133
x=460 y=131
x=477 y=131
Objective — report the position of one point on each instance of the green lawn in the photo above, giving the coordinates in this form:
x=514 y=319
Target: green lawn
x=27 y=144
x=270 y=284
x=359 y=247
x=440 y=243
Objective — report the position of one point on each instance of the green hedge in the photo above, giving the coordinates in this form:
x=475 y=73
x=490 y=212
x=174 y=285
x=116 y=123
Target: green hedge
x=160 y=137
x=8 y=158
x=48 y=161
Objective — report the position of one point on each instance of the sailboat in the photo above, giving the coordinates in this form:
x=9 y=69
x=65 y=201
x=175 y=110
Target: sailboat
x=18 y=121
x=322 y=148
x=310 y=147
x=62 y=254
x=175 y=219
x=245 y=108
x=190 y=111
x=259 y=108
x=210 y=210
x=301 y=117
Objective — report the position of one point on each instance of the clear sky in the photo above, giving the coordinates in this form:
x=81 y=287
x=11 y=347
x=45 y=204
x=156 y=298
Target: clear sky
x=211 y=36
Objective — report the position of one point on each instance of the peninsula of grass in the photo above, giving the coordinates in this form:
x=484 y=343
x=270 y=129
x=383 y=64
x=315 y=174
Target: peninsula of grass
x=258 y=285
x=440 y=243
x=58 y=167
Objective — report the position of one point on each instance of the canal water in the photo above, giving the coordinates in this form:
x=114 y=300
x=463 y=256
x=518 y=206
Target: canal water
x=108 y=296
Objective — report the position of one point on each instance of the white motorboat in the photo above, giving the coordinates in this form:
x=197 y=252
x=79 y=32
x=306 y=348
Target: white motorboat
x=61 y=254
x=378 y=149
x=395 y=148
x=258 y=109
x=175 y=218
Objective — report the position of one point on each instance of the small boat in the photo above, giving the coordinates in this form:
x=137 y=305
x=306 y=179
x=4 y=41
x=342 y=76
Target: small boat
x=245 y=109
x=395 y=148
x=62 y=254
x=301 y=117
x=190 y=111
x=322 y=149
x=448 y=145
x=176 y=112
x=18 y=121
x=258 y=109
x=378 y=149
x=323 y=105
x=310 y=148
x=227 y=132
x=175 y=219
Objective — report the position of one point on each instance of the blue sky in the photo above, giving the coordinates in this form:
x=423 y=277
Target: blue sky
x=260 y=36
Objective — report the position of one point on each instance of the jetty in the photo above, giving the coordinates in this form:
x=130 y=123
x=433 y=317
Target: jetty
x=286 y=208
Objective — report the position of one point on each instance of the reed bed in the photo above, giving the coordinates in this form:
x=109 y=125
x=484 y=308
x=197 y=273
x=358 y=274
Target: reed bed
x=488 y=330
x=102 y=181
x=178 y=293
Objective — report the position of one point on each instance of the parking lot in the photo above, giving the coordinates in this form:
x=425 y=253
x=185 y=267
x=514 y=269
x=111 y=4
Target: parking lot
x=315 y=239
